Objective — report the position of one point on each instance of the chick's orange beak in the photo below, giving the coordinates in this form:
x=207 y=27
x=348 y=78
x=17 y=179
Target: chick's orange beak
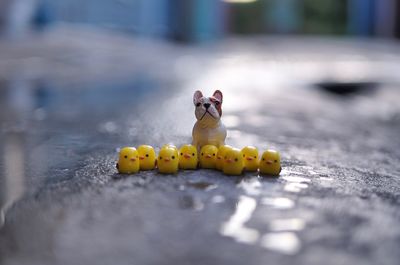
x=167 y=159
x=141 y=157
x=228 y=160
x=208 y=156
x=187 y=156
x=249 y=158
x=269 y=162
x=133 y=159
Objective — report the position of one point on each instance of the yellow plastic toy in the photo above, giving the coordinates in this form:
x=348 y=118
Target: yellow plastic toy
x=233 y=163
x=208 y=156
x=168 y=160
x=128 y=162
x=188 y=157
x=147 y=157
x=250 y=158
x=220 y=156
x=270 y=163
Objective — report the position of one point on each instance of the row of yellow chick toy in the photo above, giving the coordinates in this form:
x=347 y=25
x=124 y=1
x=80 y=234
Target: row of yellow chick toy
x=231 y=161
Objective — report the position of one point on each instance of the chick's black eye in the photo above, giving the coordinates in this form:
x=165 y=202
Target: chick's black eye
x=193 y=154
x=198 y=104
x=275 y=161
x=243 y=155
x=255 y=157
x=173 y=157
x=126 y=156
x=236 y=159
x=263 y=159
x=147 y=155
x=160 y=158
x=202 y=154
x=181 y=154
x=213 y=154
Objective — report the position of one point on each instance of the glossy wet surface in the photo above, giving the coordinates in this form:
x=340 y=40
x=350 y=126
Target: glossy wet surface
x=336 y=201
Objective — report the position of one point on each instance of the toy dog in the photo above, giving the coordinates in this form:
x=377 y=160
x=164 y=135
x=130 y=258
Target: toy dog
x=208 y=129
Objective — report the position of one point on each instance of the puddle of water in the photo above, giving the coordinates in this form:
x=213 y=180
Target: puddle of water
x=235 y=227
x=251 y=187
x=326 y=179
x=14 y=173
x=285 y=242
x=278 y=203
x=296 y=183
x=326 y=182
x=287 y=172
x=292 y=224
x=295 y=179
x=2 y=218
x=295 y=187
x=218 y=199
x=202 y=185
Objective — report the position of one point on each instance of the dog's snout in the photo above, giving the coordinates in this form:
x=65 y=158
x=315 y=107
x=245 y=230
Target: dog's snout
x=206 y=105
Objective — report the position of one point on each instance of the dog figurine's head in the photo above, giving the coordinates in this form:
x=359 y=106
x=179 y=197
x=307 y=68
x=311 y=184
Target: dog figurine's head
x=208 y=109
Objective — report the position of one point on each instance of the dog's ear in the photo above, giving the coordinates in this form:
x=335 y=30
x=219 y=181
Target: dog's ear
x=197 y=96
x=218 y=95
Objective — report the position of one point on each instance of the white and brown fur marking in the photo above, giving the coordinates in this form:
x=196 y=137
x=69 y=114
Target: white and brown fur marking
x=208 y=128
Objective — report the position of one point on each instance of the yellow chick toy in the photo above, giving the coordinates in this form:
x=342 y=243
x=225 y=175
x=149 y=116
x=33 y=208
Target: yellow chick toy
x=168 y=160
x=220 y=156
x=270 y=163
x=147 y=157
x=128 y=162
x=208 y=156
x=233 y=163
x=188 y=157
x=250 y=158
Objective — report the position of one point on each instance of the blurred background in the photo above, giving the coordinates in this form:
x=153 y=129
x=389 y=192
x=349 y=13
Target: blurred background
x=206 y=20
x=317 y=80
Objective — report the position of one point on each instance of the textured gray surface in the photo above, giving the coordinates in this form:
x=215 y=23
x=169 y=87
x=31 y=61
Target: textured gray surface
x=336 y=201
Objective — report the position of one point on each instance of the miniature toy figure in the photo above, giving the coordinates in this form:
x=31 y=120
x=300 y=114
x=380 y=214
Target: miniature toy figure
x=220 y=156
x=233 y=162
x=147 y=157
x=128 y=162
x=270 y=163
x=208 y=129
x=208 y=156
x=188 y=157
x=250 y=158
x=168 y=160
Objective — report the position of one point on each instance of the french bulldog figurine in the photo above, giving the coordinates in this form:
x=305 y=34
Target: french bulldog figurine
x=208 y=129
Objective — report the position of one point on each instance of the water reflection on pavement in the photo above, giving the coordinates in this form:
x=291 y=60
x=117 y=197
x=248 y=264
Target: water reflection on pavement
x=337 y=194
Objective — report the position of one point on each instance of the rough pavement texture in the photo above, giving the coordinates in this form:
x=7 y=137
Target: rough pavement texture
x=336 y=201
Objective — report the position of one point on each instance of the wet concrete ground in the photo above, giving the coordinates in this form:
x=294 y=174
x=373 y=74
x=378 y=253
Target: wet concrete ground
x=336 y=201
